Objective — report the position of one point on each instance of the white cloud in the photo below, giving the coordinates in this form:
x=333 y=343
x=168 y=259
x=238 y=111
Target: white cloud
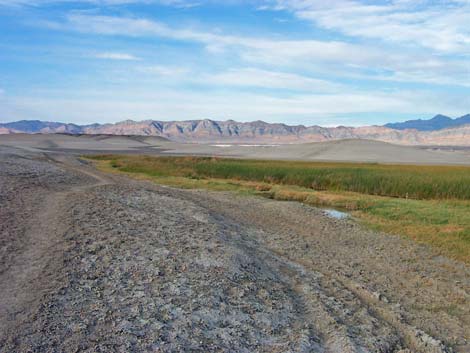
x=116 y=56
x=174 y=3
x=253 y=77
x=238 y=78
x=185 y=4
x=160 y=70
x=136 y=27
x=17 y=2
x=335 y=57
x=441 y=26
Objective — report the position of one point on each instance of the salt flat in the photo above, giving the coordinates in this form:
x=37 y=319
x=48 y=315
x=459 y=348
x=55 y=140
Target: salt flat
x=341 y=150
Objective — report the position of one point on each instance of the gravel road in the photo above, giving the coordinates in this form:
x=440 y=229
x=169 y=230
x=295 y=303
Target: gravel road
x=97 y=263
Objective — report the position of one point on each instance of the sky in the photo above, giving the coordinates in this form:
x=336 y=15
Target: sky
x=336 y=62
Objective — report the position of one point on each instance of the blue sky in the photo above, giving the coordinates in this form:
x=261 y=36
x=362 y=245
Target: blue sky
x=337 y=62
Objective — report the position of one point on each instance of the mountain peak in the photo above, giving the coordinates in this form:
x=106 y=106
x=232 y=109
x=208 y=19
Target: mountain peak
x=438 y=122
x=440 y=117
x=127 y=122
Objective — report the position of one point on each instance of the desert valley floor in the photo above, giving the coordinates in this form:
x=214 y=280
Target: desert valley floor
x=94 y=262
x=341 y=150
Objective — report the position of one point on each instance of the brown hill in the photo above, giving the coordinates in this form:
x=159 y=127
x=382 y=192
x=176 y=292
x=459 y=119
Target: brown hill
x=211 y=131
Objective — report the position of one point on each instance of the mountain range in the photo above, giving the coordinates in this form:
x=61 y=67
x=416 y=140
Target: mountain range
x=439 y=122
x=440 y=130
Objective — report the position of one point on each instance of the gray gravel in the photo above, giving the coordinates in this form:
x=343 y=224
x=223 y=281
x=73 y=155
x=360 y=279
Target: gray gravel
x=95 y=263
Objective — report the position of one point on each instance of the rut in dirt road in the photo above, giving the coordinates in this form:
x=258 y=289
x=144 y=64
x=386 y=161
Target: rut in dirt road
x=32 y=193
x=127 y=266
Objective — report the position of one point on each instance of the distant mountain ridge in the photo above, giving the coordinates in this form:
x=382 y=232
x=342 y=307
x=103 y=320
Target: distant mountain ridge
x=439 y=122
x=38 y=126
x=212 y=131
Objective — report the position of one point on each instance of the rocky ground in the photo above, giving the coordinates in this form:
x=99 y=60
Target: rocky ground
x=98 y=263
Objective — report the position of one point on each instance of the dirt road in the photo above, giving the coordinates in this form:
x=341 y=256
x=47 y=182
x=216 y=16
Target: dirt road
x=98 y=263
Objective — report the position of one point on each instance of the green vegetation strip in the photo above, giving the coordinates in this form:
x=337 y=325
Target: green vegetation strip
x=429 y=204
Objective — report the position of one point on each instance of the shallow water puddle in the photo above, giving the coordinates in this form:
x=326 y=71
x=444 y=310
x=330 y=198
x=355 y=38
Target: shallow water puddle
x=236 y=145
x=336 y=214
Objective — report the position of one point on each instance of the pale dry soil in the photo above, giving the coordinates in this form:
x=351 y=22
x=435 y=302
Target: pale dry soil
x=91 y=262
x=355 y=150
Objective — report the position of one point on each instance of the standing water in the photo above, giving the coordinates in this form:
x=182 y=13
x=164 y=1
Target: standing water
x=336 y=214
